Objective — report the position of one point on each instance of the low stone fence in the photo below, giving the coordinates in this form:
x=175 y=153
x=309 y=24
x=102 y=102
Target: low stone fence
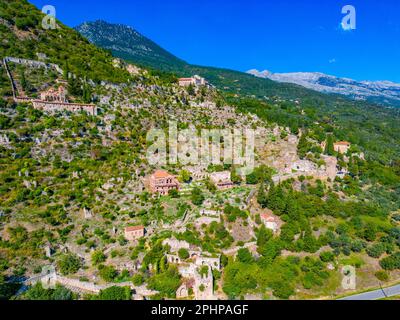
x=81 y=287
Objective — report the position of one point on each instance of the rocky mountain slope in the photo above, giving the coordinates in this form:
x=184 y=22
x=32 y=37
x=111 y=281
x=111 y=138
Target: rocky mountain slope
x=384 y=92
x=125 y=42
x=128 y=44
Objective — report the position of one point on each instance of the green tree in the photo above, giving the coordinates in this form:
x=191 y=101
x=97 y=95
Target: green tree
x=184 y=176
x=183 y=253
x=166 y=283
x=115 y=294
x=282 y=289
x=208 y=183
x=75 y=87
x=382 y=275
x=7 y=289
x=245 y=256
x=327 y=256
x=262 y=197
x=391 y=262
x=235 y=177
x=108 y=273
x=69 y=264
x=173 y=193
x=138 y=279
x=98 y=257
x=86 y=93
x=197 y=197
x=329 y=148
x=191 y=90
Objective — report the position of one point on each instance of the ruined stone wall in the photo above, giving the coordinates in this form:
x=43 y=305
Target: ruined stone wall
x=34 y=63
x=204 y=286
x=57 y=106
x=10 y=77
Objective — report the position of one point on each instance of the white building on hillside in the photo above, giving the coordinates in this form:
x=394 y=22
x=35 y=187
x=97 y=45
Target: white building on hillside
x=195 y=81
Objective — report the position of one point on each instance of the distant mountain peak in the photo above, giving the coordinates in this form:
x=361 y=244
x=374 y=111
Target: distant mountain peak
x=376 y=91
x=125 y=42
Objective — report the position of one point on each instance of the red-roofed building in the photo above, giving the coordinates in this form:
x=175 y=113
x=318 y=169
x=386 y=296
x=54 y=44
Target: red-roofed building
x=134 y=233
x=342 y=146
x=195 y=81
x=269 y=220
x=162 y=182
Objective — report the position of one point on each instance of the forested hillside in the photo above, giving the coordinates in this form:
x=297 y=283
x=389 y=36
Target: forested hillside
x=74 y=184
x=22 y=37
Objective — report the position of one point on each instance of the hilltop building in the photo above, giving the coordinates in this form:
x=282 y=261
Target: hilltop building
x=175 y=245
x=222 y=180
x=270 y=221
x=342 y=146
x=133 y=69
x=162 y=182
x=134 y=233
x=54 y=95
x=195 y=81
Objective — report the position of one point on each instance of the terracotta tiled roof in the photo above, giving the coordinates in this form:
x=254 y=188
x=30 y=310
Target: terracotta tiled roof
x=267 y=216
x=342 y=143
x=159 y=174
x=135 y=228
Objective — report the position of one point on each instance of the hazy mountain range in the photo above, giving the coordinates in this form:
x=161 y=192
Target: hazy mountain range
x=376 y=91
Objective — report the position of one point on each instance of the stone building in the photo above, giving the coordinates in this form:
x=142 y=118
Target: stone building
x=270 y=221
x=195 y=81
x=4 y=141
x=201 y=284
x=212 y=262
x=175 y=245
x=162 y=182
x=198 y=173
x=304 y=166
x=53 y=106
x=132 y=69
x=342 y=146
x=54 y=95
x=134 y=233
x=222 y=180
x=204 y=285
x=205 y=220
x=185 y=289
x=87 y=213
x=210 y=213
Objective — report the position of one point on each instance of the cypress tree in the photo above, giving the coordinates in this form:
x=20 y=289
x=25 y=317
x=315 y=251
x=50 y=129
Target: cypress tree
x=329 y=148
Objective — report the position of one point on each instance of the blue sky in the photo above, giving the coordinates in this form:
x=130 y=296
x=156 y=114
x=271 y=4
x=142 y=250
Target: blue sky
x=280 y=36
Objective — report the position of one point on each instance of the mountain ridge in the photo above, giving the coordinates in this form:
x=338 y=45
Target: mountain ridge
x=376 y=91
x=235 y=82
x=127 y=43
x=124 y=41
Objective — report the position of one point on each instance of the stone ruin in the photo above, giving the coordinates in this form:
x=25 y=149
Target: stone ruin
x=4 y=141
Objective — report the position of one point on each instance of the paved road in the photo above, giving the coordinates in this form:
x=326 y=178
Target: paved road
x=376 y=294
